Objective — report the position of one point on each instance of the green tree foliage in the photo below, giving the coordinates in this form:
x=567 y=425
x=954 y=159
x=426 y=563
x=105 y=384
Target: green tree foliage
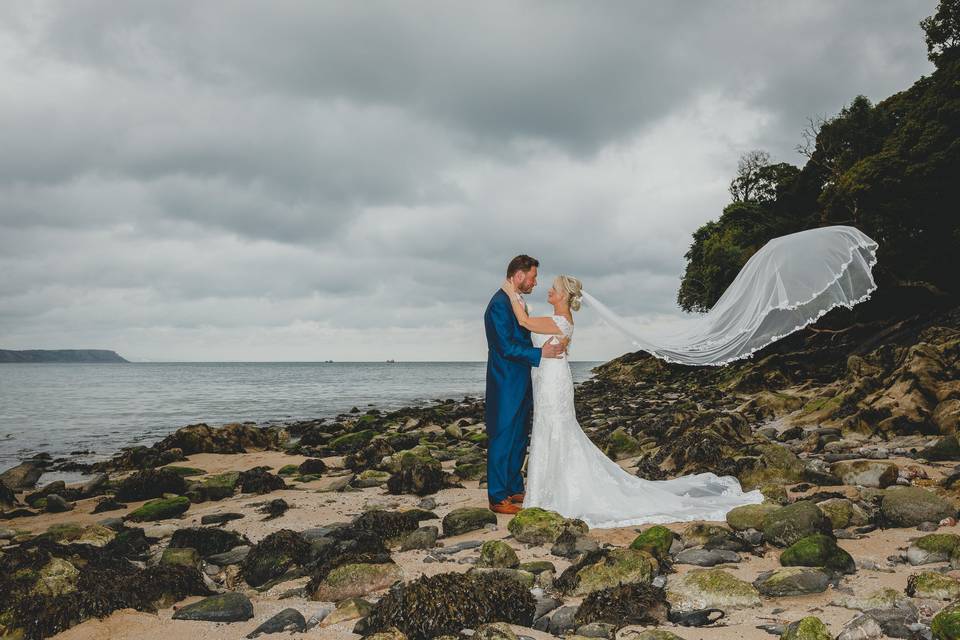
x=890 y=169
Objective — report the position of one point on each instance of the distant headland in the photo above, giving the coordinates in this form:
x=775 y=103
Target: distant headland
x=61 y=355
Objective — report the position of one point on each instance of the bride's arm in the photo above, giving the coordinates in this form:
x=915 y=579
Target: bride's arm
x=544 y=325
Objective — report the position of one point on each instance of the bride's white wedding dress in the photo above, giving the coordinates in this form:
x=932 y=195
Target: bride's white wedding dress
x=568 y=474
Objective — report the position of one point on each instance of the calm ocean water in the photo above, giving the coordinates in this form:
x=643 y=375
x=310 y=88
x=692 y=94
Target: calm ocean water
x=64 y=408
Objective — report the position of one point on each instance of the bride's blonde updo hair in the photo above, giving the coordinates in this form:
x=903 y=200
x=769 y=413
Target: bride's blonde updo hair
x=572 y=288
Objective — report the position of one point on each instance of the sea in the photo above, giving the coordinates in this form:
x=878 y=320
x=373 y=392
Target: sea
x=88 y=412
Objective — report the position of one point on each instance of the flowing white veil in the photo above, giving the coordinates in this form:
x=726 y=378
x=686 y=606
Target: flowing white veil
x=789 y=283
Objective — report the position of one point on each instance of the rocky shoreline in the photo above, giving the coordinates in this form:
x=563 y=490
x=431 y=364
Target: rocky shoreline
x=373 y=524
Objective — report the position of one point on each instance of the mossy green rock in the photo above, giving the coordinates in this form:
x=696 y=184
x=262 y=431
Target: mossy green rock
x=749 y=516
x=467 y=519
x=777 y=465
x=622 y=445
x=56 y=578
x=355 y=580
x=223 y=607
x=288 y=470
x=791 y=581
x=933 y=585
x=497 y=553
x=843 y=513
x=708 y=588
x=185 y=557
x=540 y=526
x=656 y=541
x=788 y=524
x=909 y=506
x=647 y=634
x=538 y=566
x=371 y=478
x=809 y=628
x=185 y=472
x=935 y=547
x=470 y=470
x=946 y=624
x=220 y=486
x=160 y=509
x=621 y=566
x=886 y=598
x=525 y=578
x=351 y=441
x=818 y=550
x=774 y=494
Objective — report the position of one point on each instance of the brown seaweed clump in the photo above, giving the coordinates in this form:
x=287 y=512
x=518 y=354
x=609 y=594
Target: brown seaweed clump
x=207 y=541
x=273 y=555
x=96 y=584
x=626 y=604
x=149 y=484
x=444 y=604
x=260 y=480
x=387 y=525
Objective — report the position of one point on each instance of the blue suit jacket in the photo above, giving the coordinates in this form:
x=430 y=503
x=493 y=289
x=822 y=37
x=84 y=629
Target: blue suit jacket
x=510 y=354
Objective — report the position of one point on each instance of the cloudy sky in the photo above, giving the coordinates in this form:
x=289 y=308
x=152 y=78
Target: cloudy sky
x=347 y=180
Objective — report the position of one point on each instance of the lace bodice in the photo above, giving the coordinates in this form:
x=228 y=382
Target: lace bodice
x=540 y=339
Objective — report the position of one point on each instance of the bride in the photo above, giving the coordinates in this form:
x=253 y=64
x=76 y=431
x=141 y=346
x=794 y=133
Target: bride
x=568 y=474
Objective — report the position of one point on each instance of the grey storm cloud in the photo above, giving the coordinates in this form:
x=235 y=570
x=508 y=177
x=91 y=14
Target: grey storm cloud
x=178 y=173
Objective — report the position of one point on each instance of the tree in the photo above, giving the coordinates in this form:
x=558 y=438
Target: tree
x=942 y=31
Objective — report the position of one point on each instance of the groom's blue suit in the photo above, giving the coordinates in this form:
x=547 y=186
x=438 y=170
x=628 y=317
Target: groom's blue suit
x=510 y=354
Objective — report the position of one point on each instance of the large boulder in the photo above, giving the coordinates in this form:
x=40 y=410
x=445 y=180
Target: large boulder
x=843 y=513
x=935 y=547
x=749 y=516
x=160 y=509
x=791 y=581
x=788 y=524
x=150 y=483
x=498 y=554
x=655 y=540
x=933 y=585
x=234 y=437
x=710 y=588
x=417 y=473
x=540 y=526
x=618 y=566
x=353 y=580
x=273 y=555
x=23 y=476
x=909 y=506
x=867 y=473
x=775 y=465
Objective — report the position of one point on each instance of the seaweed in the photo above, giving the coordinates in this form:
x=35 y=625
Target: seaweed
x=206 y=541
x=150 y=483
x=626 y=604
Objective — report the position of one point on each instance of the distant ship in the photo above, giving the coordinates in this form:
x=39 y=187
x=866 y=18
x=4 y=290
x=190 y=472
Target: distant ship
x=391 y=361
x=328 y=360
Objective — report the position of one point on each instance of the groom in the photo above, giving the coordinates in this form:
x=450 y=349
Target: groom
x=509 y=400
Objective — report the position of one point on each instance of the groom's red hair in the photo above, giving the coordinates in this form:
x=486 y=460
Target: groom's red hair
x=521 y=263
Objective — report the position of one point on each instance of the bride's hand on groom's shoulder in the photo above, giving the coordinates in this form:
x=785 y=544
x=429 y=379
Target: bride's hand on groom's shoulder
x=508 y=288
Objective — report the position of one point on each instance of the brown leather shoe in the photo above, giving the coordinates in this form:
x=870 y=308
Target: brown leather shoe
x=504 y=506
x=517 y=498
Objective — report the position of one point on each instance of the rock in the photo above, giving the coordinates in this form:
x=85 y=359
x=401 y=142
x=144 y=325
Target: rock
x=538 y=566
x=706 y=557
x=108 y=504
x=445 y=603
x=698 y=534
x=525 y=578
x=72 y=533
x=234 y=556
x=879 y=599
x=539 y=526
x=909 y=506
x=220 y=486
x=788 y=524
x=597 y=630
x=56 y=578
x=150 y=483
x=494 y=631
x=843 y=513
x=183 y=557
x=935 y=547
x=7 y=534
x=224 y=607
x=621 y=444
x=929 y=584
x=274 y=509
x=260 y=480
x=7 y=497
x=545 y=604
x=56 y=504
x=749 y=516
x=809 y=628
x=818 y=550
x=563 y=620
x=419 y=473
x=570 y=544
x=777 y=465
x=312 y=467
x=863 y=627
x=618 y=566
x=646 y=634
x=621 y=605
x=866 y=473
x=710 y=588
x=370 y=478
x=791 y=581
x=467 y=519
x=349 y=609
x=497 y=553
x=234 y=437
x=355 y=580
x=945 y=448
x=219 y=518
x=946 y=624
x=655 y=540
x=160 y=509
x=207 y=541
x=273 y=555
x=23 y=476
x=287 y=620
x=422 y=538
